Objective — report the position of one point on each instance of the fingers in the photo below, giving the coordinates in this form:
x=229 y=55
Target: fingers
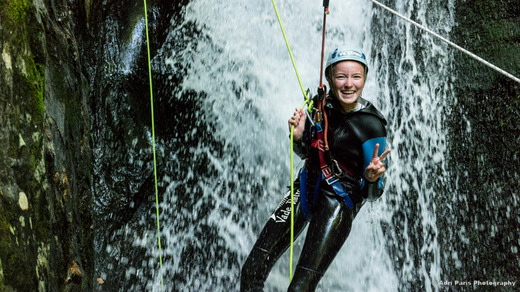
x=298 y=112
x=376 y=168
x=294 y=121
x=376 y=150
x=374 y=171
x=296 y=118
x=383 y=156
x=298 y=122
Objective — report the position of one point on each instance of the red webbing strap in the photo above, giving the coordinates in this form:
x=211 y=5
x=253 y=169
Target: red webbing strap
x=322 y=90
x=325 y=12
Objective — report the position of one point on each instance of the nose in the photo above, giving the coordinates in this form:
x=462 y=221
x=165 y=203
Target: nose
x=348 y=82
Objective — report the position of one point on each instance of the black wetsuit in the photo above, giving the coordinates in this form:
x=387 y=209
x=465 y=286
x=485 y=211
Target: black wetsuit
x=352 y=137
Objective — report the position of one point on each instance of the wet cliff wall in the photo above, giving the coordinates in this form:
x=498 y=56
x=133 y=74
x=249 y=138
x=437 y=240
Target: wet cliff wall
x=68 y=69
x=45 y=197
x=484 y=146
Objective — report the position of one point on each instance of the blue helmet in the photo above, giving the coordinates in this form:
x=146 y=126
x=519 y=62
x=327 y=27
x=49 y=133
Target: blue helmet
x=346 y=54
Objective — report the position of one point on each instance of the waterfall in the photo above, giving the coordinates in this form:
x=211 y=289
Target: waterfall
x=228 y=165
x=414 y=78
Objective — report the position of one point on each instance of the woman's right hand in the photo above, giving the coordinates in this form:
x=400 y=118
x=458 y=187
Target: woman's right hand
x=298 y=121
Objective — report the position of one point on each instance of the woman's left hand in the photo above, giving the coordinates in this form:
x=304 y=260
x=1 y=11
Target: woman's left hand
x=376 y=168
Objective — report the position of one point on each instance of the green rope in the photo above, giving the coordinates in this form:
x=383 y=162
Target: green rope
x=292 y=140
x=290 y=53
x=153 y=141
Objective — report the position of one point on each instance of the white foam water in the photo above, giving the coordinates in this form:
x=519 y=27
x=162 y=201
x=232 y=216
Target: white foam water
x=241 y=67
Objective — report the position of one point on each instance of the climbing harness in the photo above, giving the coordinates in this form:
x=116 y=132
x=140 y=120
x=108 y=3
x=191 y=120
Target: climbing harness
x=153 y=142
x=326 y=173
x=472 y=55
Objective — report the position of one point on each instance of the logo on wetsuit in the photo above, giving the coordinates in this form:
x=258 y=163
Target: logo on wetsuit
x=283 y=211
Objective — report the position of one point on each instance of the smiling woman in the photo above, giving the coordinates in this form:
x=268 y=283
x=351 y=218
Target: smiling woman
x=343 y=177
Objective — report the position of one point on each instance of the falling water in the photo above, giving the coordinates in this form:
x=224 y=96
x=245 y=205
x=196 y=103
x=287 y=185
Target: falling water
x=413 y=72
x=224 y=173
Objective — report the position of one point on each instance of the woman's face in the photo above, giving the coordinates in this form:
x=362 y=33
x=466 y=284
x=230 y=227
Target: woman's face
x=348 y=80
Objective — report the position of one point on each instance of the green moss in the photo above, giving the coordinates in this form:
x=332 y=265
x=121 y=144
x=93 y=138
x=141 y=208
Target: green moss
x=15 y=10
x=30 y=88
x=37 y=78
x=13 y=13
x=18 y=9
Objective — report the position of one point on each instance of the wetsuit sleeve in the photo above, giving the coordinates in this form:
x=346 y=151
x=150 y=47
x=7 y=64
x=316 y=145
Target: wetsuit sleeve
x=301 y=147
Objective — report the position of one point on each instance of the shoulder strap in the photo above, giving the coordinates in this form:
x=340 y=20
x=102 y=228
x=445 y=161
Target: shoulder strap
x=327 y=173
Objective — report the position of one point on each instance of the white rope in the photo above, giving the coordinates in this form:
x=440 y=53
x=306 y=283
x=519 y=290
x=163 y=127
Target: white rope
x=450 y=43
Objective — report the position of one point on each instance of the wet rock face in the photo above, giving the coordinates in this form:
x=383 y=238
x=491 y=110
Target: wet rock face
x=484 y=137
x=44 y=131
x=119 y=101
x=57 y=59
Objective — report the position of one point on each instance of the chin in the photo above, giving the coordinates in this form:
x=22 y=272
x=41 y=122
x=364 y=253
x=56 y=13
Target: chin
x=349 y=101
